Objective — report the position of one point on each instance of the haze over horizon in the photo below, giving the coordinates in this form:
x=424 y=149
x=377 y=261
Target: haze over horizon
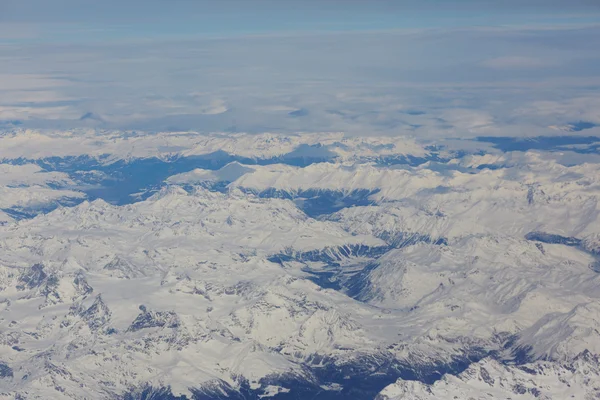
x=425 y=69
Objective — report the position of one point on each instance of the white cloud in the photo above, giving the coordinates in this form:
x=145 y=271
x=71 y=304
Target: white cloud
x=467 y=119
x=215 y=107
x=41 y=112
x=426 y=83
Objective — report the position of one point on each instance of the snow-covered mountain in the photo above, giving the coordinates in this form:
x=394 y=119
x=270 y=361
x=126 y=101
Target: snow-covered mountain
x=114 y=145
x=488 y=379
x=309 y=266
x=28 y=187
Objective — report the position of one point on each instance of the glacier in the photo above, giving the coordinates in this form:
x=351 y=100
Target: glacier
x=182 y=265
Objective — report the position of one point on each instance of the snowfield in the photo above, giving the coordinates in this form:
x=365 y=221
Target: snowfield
x=292 y=267
x=489 y=379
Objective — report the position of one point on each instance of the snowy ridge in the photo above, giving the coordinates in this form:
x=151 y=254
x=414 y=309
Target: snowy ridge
x=82 y=278
x=481 y=295
x=333 y=278
x=115 y=145
x=516 y=200
x=228 y=173
x=24 y=187
x=488 y=379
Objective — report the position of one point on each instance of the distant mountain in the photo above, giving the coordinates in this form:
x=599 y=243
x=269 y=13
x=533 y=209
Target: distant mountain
x=90 y=116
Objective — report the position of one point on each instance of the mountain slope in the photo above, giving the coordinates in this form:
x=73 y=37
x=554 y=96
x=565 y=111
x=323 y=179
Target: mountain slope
x=489 y=379
x=313 y=266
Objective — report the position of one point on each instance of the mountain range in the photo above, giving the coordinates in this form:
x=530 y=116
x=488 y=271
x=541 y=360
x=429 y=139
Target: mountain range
x=190 y=266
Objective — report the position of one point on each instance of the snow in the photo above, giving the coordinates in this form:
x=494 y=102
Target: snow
x=184 y=289
x=29 y=186
x=228 y=173
x=115 y=145
x=489 y=379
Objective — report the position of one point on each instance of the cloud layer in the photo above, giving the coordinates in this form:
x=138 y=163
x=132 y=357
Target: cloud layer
x=425 y=82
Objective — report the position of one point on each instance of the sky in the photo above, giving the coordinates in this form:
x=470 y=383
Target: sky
x=85 y=20
x=420 y=68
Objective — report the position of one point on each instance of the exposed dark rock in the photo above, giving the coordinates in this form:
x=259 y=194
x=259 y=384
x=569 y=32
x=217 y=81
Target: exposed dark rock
x=485 y=376
x=97 y=315
x=125 y=268
x=81 y=285
x=540 y=247
x=530 y=193
x=5 y=370
x=32 y=277
x=154 y=319
x=151 y=393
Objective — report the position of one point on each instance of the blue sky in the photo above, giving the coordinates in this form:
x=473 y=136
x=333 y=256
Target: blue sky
x=426 y=68
x=84 y=20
